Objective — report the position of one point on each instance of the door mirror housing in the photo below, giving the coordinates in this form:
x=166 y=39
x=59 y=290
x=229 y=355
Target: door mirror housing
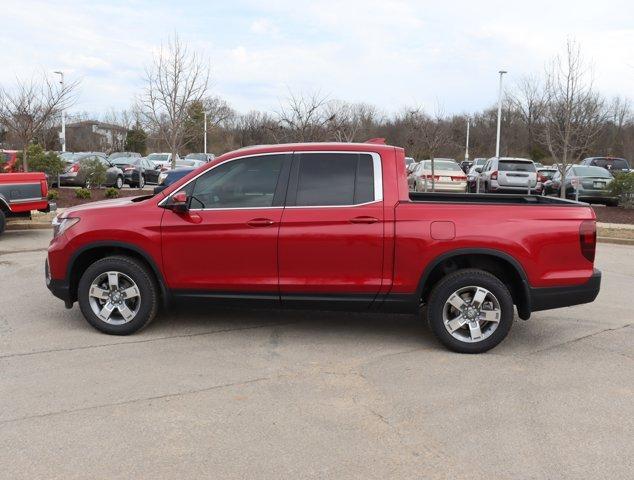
x=178 y=202
x=478 y=169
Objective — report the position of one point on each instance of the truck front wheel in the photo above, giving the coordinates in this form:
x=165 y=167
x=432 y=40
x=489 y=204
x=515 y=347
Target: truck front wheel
x=470 y=311
x=118 y=295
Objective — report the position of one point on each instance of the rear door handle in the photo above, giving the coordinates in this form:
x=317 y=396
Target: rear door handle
x=260 y=222
x=364 y=220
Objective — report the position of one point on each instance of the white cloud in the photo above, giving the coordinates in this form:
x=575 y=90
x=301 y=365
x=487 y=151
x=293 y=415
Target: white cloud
x=390 y=53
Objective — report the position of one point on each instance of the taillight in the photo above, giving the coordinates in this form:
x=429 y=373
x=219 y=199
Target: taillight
x=44 y=188
x=588 y=238
x=494 y=175
x=459 y=178
x=74 y=167
x=541 y=178
x=430 y=177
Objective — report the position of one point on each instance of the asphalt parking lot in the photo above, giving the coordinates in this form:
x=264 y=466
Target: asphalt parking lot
x=269 y=394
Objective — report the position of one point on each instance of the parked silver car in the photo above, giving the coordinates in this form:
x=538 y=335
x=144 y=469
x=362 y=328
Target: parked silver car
x=75 y=175
x=509 y=175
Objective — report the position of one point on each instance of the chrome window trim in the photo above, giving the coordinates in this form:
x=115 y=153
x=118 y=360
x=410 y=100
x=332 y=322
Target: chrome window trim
x=377 y=170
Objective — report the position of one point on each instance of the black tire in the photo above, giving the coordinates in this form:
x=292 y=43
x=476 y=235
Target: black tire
x=3 y=222
x=141 y=182
x=445 y=288
x=145 y=281
x=118 y=183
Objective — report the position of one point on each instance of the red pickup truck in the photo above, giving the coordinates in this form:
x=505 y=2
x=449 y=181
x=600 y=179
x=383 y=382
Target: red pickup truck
x=325 y=225
x=21 y=193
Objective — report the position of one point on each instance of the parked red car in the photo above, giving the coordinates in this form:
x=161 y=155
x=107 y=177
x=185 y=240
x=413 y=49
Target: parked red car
x=329 y=226
x=21 y=193
x=9 y=161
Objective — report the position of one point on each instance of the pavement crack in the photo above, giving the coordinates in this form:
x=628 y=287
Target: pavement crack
x=135 y=400
x=574 y=340
x=135 y=342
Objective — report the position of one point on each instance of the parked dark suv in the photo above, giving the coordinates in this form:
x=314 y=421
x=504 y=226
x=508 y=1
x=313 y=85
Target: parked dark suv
x=611 y=164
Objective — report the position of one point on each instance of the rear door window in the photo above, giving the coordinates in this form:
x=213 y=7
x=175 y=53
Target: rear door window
x=329 y=179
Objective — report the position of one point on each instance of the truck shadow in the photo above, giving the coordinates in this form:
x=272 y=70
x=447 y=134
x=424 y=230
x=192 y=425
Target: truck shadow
x=356 y=326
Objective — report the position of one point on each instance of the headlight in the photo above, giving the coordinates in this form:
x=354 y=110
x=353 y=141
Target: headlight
x=60 y=225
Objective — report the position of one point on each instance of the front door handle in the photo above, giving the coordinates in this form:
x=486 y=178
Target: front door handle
x=364 y=220
x=260 y=222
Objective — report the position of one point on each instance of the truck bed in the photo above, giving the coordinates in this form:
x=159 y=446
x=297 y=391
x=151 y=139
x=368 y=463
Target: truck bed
x=492 y=198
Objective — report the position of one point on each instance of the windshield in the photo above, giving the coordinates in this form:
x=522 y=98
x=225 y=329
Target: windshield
x=158 y=157
x=186 y=163
x=69 y=156
x=591 y=172
x=612 y=163
x=125 y=161
x=516 y=166
x=196 y=156
x=114 y=155
x=479 y=161
x=442 y=165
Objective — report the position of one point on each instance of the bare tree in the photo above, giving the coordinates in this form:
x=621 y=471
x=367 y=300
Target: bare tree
x=574 y=112
x=31 y=106
x=177 y=78
x=304 y=117
x=348 y=121
x=528 y=101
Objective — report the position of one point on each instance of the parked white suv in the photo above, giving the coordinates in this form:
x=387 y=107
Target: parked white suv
x=509 y=175
x=162 y=160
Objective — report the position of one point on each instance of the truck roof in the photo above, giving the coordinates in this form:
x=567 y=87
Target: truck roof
x=323 y=146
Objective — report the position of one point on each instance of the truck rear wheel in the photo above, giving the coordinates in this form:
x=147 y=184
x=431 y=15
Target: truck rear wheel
x=470 y=311
x=3 y=222
x=118 y=295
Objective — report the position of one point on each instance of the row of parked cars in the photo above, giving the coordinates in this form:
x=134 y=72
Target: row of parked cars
x=126 y=168
x=587 y=181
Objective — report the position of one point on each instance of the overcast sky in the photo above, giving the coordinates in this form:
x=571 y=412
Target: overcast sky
x=388 y=53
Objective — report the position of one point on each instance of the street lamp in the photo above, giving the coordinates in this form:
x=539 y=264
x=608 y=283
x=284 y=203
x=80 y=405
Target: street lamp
x=205 y=132
x=63 y=136
x=466 y=151
x=497 y=142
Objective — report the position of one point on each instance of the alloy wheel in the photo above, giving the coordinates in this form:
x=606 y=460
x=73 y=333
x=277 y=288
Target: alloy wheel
x=471 y=314
x=114 y=297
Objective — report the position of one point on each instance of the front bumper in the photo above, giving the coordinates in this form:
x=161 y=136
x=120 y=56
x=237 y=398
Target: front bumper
x=557 y=297
x=59 y=288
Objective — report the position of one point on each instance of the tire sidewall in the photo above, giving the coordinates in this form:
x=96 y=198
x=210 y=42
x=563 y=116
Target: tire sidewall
x=118 y=183
x=463 y=278
x=139 y=274
x=3 y=222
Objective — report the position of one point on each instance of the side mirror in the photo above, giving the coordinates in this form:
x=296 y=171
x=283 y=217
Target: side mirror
x=178 y=202
x=478 y=169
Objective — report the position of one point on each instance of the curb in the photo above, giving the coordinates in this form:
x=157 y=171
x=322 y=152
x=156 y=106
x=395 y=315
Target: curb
x=617 y=241
x=28 y=226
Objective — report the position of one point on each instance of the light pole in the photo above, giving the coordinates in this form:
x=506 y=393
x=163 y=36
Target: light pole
x=497 y=142
x=205 y=132
x=466 y=151
x=63 y=136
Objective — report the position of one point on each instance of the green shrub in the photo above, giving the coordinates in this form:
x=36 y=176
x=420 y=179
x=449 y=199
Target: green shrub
x=82 y=193
x=95 y=172
x=112 y=192
x=40 y=161
x=623 y=187
x=52 y=195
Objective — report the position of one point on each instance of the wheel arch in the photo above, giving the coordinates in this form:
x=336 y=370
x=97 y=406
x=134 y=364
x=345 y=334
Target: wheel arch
x=92 y=252
x=496 y=262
